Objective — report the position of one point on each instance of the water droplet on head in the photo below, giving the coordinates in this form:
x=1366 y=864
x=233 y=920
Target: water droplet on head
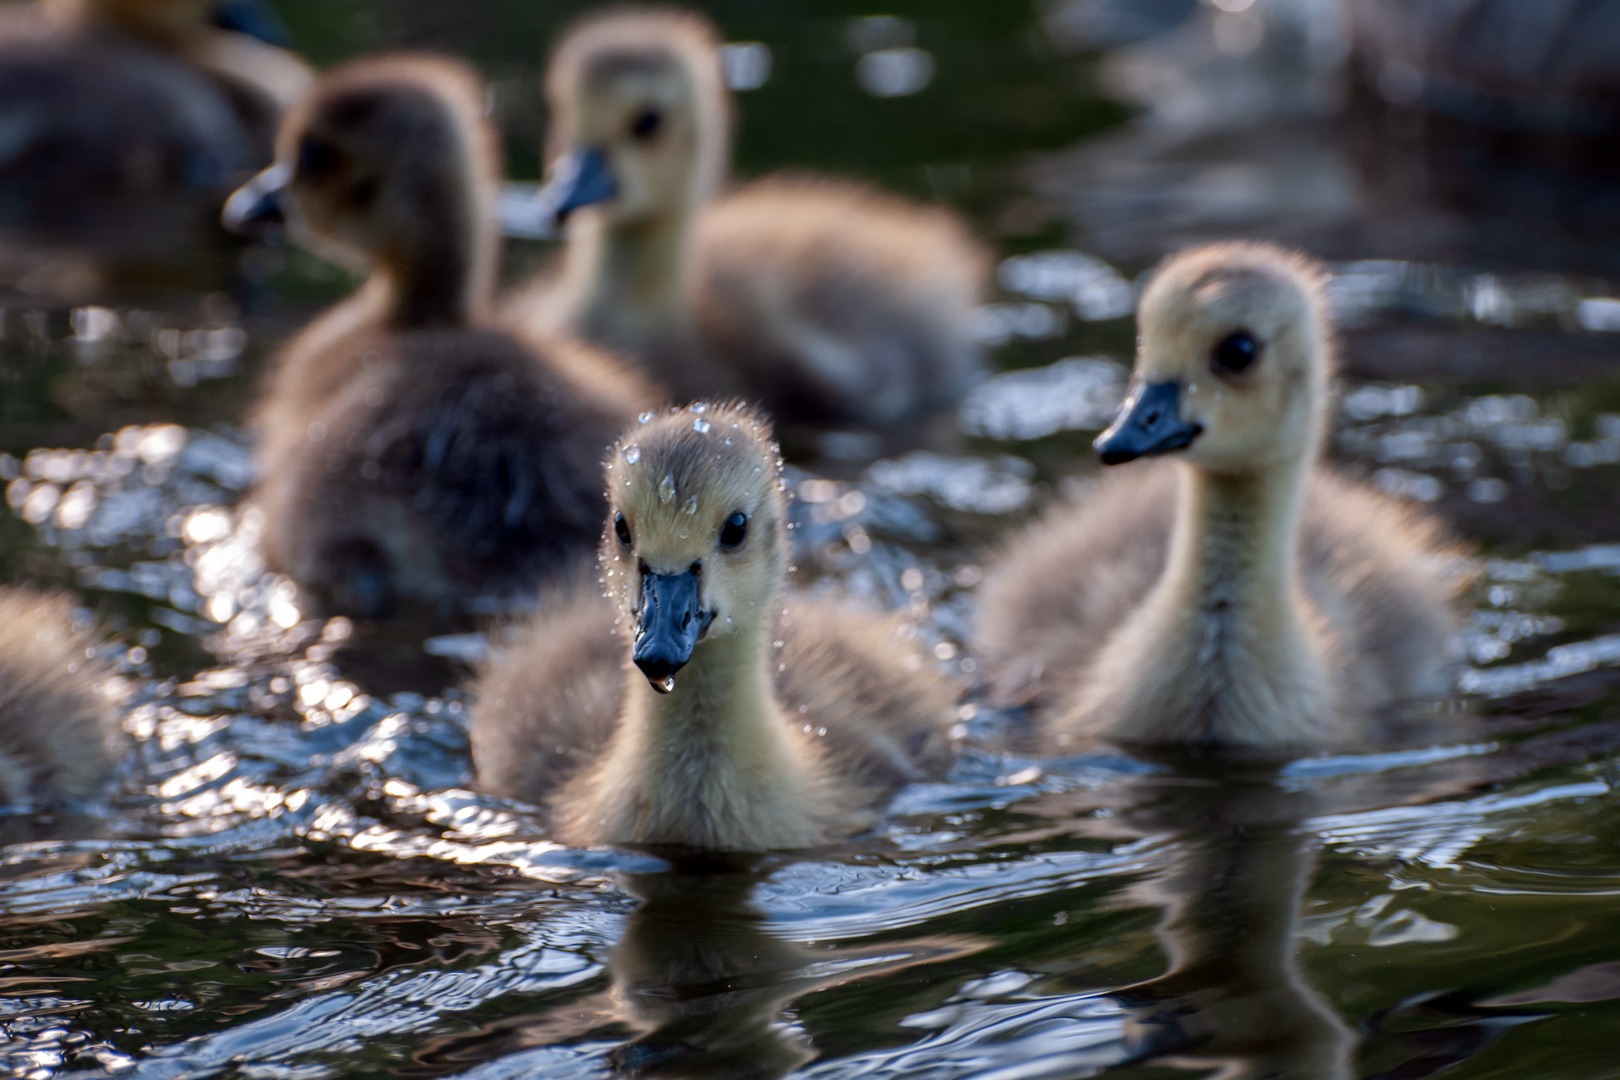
x=632 y=454
x=645 y=418
x=728 y=442
x=691 y=505
x=700 y=407
x=666 y=488
x=700 y=425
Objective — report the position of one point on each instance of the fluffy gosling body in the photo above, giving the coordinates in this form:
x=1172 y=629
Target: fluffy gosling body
x=825 y=302
x=696 y=705
x=57 y=729
x=1242 y=594
x=109 y=98
x=408 y=447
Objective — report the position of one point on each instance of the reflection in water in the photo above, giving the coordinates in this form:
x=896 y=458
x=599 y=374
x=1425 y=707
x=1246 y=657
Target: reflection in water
x=700 y=984
x=705 y=983
x=1234 y=997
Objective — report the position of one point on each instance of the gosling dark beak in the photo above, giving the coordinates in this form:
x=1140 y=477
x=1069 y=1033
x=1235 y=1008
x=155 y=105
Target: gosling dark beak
x=1148 y=423
x=672 y=623
x=257 y=203
x=582 y=178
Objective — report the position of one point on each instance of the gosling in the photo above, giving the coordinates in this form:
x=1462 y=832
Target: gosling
x=106 y=98
x=825 y=302
x=409 y=448
x=737 y=724
x=1246 y=596
x=57 y=729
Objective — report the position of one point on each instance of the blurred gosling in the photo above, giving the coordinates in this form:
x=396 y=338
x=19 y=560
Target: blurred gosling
x=407 y=447
x=263 y=80
x=57 y=729
x=1247 y=596
x=108 y=97
x=741 y=726
x=824 y=302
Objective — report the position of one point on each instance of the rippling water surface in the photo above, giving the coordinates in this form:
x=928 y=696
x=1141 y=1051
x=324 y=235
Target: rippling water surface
x=296 y=878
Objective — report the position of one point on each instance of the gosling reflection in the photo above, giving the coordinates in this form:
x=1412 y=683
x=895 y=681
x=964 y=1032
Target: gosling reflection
x=700 y=986
x=705 y=983
x=1234 y=998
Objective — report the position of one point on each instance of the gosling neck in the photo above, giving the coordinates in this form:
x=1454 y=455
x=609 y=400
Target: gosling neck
x=1233 y=550
x=441 y=272
x=712 y=763
x=1230 y=621
x=444 y=280
x=722 y=706
x=628 y=281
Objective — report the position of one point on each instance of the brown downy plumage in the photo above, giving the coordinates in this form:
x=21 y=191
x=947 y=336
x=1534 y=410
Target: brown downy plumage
x=408 y=448
x=825 y=302
x=1242 y=594
x=751 y=724
x=262 y=80
x=110 y=98
x=57 y=729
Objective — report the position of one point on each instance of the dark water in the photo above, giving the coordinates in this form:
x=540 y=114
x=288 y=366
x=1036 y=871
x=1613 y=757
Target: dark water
x=296 y=881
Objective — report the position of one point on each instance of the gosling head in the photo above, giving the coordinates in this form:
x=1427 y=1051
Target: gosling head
x=1231 y=364
x=153 y=20
x=384 y=157
x=640 y=118
x=695 y=546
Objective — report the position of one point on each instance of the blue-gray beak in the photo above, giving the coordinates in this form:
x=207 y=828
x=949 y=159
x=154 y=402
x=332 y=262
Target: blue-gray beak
x=582 y=178
x=671 y=624
x=257 y=203
x=1149 y=422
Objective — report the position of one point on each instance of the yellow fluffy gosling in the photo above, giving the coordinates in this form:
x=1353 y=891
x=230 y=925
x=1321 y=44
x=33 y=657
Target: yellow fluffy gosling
x=1246 y=595
x=693 y=706
x=408 y=447
x=823 y=301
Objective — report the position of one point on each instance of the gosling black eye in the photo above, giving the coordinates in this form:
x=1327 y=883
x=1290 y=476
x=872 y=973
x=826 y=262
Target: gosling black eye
x=316 y=157
x=646 y=124
x=621 y=529
x=734 y=531
x=1236 y=352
